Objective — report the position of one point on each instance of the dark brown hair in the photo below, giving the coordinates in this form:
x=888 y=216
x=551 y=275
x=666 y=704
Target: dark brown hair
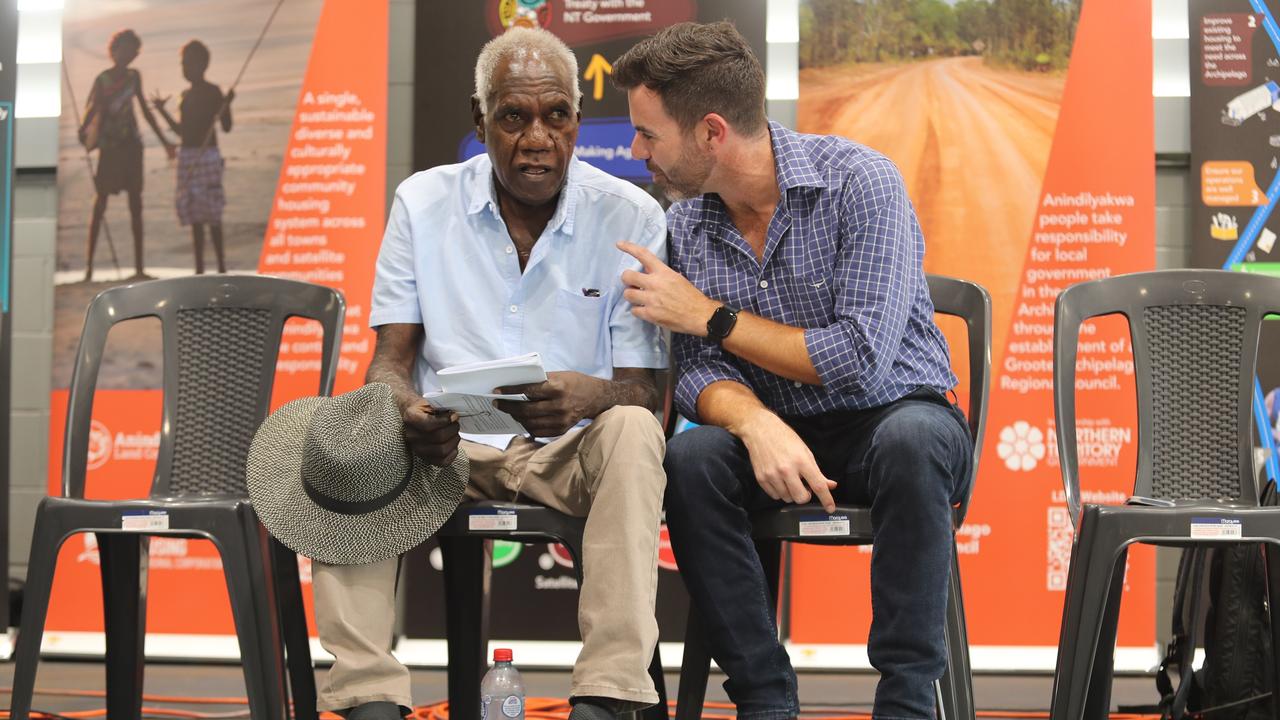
x=124 y=38
x=197 y=53
x=698 y=69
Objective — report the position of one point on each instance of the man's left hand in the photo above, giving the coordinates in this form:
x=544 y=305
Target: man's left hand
x=663 y=296
x=554 y=406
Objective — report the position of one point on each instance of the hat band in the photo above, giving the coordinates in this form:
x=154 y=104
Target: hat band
x=359 y=507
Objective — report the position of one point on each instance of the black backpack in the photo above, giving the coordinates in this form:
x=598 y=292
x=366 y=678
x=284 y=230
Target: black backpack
x=1221 y=593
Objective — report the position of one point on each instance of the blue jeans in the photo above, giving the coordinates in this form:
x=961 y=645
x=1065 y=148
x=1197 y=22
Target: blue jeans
x=909 y=461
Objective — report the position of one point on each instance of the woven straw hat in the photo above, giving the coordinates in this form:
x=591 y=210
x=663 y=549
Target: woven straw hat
x=333 y=480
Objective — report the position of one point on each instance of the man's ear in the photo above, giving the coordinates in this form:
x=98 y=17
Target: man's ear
x=713 y=129
x=477 y=117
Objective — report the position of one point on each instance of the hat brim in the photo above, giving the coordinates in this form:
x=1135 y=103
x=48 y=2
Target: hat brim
x=274 y=481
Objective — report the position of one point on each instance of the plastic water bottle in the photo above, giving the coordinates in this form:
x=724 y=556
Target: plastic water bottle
x=502 y=690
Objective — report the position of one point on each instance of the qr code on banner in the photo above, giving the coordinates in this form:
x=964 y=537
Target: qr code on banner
x=1060 y=532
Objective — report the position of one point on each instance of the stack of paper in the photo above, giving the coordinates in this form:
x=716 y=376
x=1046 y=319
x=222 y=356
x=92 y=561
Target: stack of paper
x=468 y=391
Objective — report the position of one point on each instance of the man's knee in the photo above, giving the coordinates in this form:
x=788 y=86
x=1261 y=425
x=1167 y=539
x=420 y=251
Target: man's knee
x=701 y=460
x=627 y=437
x=921 y=444
x=630 y=423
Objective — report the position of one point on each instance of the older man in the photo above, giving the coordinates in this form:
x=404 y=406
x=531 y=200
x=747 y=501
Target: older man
x=507 y=253
x=807 y=349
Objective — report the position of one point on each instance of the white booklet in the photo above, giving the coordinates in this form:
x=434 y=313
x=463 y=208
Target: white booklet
x=468 y=391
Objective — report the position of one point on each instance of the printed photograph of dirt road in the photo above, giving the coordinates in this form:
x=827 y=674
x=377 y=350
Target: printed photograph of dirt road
x=963 y=96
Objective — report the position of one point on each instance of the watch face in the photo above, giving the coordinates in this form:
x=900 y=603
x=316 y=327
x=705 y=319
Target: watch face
x=721 y=322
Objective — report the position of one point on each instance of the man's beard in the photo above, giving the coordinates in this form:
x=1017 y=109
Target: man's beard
x=686 y=179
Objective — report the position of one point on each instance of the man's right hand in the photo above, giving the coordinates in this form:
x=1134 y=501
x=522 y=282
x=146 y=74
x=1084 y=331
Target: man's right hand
x=783 y=464
x=431 y=436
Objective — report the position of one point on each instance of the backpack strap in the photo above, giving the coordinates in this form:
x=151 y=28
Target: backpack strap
x=1178 y=660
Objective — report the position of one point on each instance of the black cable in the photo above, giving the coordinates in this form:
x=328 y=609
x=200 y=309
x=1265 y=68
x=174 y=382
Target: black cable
x=1234 y=703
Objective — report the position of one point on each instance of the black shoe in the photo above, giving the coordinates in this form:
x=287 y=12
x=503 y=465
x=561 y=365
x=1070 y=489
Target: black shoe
x=590 y=707
x=375 y=711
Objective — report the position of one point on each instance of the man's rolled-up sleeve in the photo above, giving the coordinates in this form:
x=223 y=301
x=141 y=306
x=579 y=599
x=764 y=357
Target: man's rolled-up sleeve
x=873 y=282
x=699 y=363
x=395 y=287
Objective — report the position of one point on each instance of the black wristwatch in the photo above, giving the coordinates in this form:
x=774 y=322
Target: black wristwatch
x=721 y=323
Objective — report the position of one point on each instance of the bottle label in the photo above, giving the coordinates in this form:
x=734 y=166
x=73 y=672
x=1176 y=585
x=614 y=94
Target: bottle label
x=484 y=705
x=513 y=706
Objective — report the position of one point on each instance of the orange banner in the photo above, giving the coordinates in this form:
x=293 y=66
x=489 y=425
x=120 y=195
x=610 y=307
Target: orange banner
x=1029 y=173
x=309 y=122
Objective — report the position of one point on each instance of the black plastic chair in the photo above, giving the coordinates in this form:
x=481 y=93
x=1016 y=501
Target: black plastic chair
x=770 y=529
x=221 y=338
x=1195 y=345
x=466 y=582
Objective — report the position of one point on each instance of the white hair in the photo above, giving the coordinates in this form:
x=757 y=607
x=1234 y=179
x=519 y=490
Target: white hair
x=524 y=44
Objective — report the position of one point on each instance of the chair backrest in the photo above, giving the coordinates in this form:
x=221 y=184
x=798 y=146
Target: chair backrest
x=971 y=303
x=221 y=339
x=1195 y=345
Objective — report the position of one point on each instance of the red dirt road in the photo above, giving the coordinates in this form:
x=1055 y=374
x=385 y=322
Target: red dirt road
x=972 y=144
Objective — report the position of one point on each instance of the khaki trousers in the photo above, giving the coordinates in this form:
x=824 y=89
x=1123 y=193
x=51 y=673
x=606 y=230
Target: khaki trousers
x=611 y=473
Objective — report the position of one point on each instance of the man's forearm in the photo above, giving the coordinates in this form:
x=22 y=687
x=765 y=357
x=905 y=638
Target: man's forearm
x=393 y=357
x=730 y=405
x=778 y=348
x=396 y=375
x=627 y=392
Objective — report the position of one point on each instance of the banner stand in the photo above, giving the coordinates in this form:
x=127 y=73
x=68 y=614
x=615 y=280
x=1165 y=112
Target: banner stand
x=8 y=88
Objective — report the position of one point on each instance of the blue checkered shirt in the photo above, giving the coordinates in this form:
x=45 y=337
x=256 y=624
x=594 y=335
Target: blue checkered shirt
x=842 y=259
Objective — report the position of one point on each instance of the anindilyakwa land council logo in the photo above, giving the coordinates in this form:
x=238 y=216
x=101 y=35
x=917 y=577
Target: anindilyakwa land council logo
x=1021 y=446
x=99 y=445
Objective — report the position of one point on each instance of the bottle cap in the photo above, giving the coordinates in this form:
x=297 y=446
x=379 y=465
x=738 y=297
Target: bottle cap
x=502 y=655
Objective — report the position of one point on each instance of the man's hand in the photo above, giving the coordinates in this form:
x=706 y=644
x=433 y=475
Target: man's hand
x=556 y=405
x=431 y=435
x=784 y=465
x=663 y=296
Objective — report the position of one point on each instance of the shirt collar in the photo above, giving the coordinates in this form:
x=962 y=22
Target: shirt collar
x=791 y=162
x=791 y=165
x=484 y=194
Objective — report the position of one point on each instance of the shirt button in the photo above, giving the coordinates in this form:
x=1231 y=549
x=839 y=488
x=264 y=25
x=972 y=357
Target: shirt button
x=798 y=383
x=764 y=283
x=514 y=308
x=510 y=249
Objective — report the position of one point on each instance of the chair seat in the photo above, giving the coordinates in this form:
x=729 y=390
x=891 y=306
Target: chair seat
x=183 y=517
x=1173 y=526
x=810 y=524
x=508 y=520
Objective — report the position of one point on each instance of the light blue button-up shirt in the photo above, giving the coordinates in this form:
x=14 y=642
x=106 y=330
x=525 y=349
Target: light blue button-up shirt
x=448 y=262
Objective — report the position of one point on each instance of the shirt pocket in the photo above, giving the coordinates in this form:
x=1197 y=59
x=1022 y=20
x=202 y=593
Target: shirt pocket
x=810 y=300
x=581 y=333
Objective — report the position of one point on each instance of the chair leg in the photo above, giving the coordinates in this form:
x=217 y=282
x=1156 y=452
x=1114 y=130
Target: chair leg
x=46 y=542
x=694 y=669
x=956 y=685
x=124 y=604
x=661 y=710
x=1093 y=561
x=1098 y=702
x=466 y=587
x=293 y=621
x=244 y=567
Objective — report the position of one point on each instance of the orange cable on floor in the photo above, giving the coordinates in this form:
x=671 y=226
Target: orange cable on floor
x=536 y=708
